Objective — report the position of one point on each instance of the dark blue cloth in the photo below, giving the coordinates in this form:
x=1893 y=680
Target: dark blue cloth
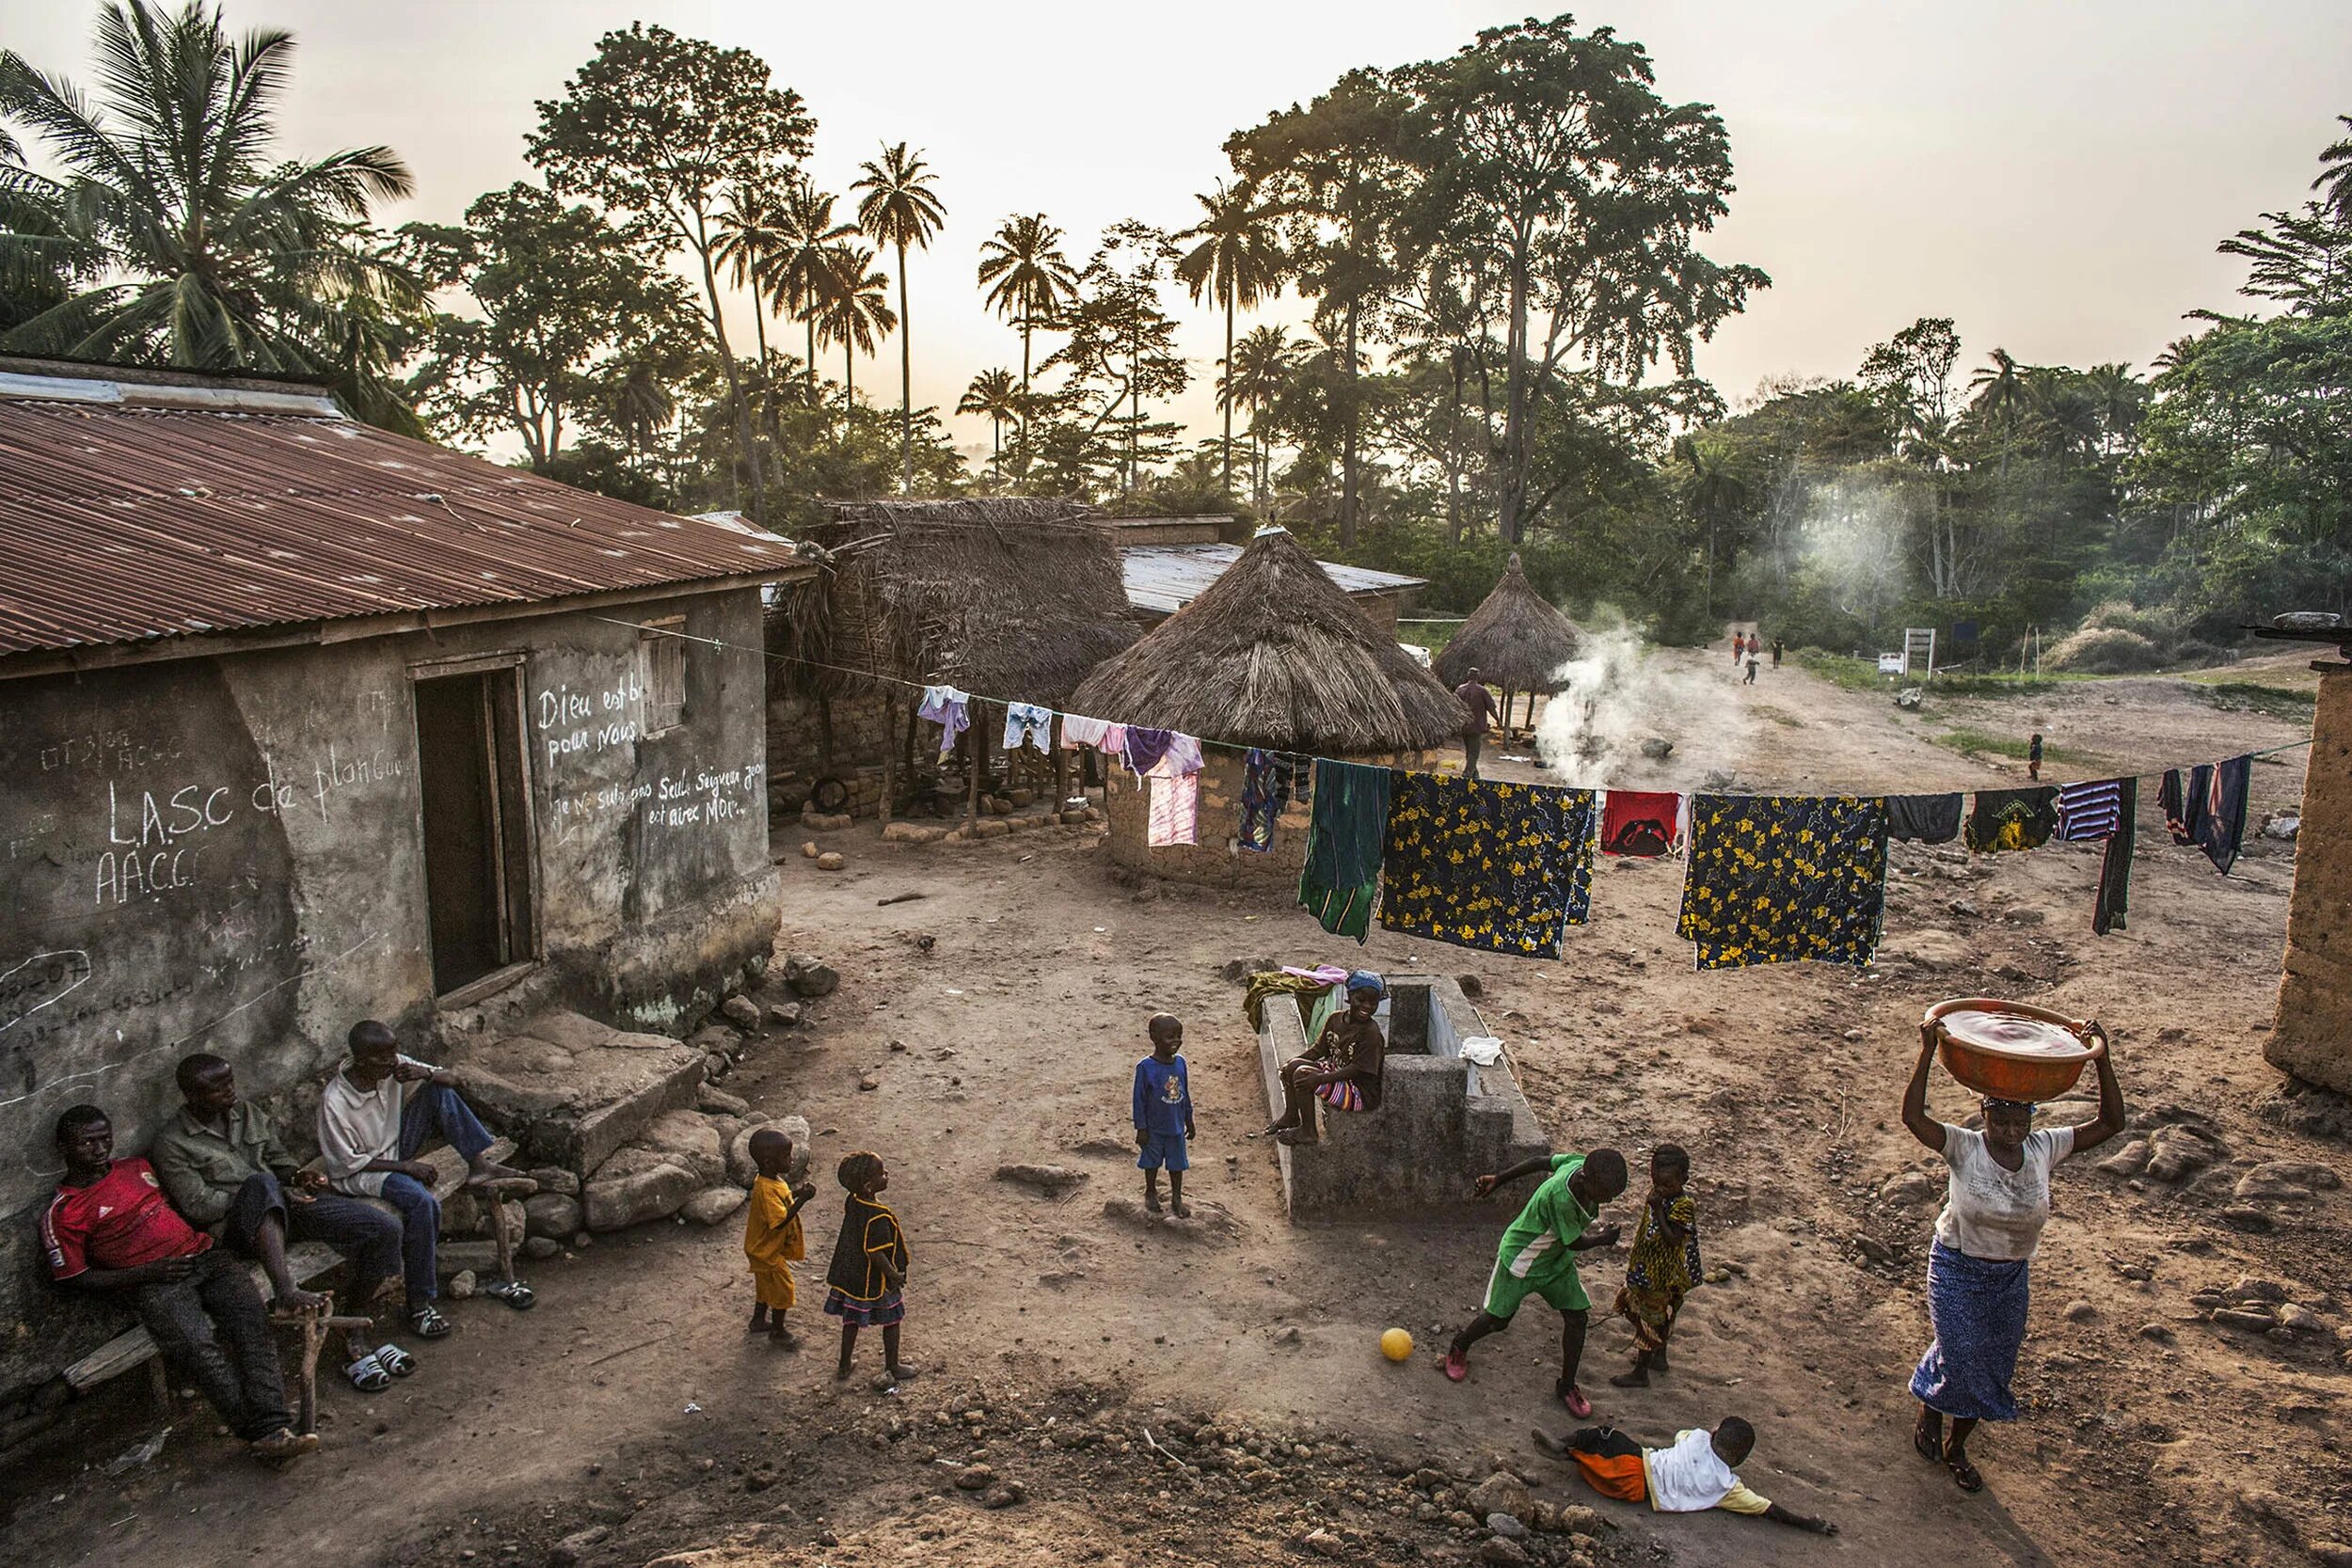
x=435 y=1108
x=1977 y=1306
x=1264 y=790
x=1163 y=1096
x=1163 y=1149
x=2221 y=827
x=1506 y=868
x=357 y=1229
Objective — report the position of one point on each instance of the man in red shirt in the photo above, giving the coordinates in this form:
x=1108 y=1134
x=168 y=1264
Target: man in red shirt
x=1478 y=717
x=110 y=1228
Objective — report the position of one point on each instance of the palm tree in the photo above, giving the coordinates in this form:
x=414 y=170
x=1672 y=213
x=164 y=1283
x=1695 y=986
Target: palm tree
x=2335 y=175
x=1030 y=280
x=2121 y=395
x=1716 y=492
x=806 y=237
x=900 y=208
x=750 y=229
x=853 y=311
x=217 y=253
x=1236 y=262
x=2001 y=393
x=994 y=396
x=1259 y=367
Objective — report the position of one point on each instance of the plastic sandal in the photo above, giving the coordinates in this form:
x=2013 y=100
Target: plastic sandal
x=1456 y=1367
x=514 y=1292
x=367 y=1375
x=1578 y=1406
x=428 y=1322
x=396 y=1361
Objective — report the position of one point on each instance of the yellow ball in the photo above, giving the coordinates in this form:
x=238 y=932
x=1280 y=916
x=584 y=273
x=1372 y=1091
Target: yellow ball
x=1396 y=1344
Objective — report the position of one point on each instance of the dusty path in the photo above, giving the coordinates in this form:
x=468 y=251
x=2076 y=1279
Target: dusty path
x=1020 y=1023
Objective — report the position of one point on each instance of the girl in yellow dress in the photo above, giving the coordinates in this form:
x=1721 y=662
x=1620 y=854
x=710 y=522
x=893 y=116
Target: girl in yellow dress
x=772 y=1235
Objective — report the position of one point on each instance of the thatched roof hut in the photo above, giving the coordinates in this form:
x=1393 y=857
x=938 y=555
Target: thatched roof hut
x=1010 y=598
x=1276 y=655
x=1515 y=639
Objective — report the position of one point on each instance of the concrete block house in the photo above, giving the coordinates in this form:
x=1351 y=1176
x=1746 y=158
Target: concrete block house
x=304 y=722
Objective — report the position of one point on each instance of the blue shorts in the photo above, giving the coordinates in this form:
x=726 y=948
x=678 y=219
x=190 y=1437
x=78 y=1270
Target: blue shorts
x=1163 y=1149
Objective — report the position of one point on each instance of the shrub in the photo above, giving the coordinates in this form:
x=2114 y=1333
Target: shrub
x=2158 y=625
x=2197 y=652
x=2104 y=651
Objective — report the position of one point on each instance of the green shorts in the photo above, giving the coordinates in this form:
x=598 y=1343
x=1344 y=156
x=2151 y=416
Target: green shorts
x=1559 y=1284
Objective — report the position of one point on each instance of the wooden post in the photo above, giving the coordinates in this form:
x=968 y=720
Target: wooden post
x=972 y=789
x=890 y=755
x=1061 y=763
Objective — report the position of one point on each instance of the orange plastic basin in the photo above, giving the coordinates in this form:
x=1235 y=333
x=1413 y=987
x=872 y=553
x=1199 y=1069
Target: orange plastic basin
x=2010 y=1050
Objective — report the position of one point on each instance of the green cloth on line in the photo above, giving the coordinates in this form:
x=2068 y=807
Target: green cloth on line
x=1343 y=843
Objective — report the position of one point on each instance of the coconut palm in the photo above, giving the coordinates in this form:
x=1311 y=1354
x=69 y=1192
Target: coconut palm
x=217 y=253
x=751 y=231
x=995 y=396
x=1259 y=367
x=1237 y=262
x=806 y=237
x=900 y=208
x=2002 y=394
x=853 y=310
x=1030 y=280
x=2335 y=175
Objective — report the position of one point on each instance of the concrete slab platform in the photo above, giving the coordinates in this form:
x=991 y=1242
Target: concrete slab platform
x=572 y=1090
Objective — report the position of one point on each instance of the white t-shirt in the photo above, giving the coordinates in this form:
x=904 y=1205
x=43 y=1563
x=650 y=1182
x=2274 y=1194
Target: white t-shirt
x=1993 y=1213
x=357 y=1126
x=1691 y=1476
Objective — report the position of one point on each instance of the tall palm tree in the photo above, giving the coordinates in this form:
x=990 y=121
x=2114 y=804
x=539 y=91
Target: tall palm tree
x=806 y=237
x=750 y=229
x=1237 y=262
x=994 y=396
x=217 y=253
x=2002 y=394
x=1260 y=366
x=900 y=208
x=1030 y=280
x=854 y=311
x=2334 y=183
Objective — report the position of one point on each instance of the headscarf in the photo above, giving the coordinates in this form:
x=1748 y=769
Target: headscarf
x=1364 y=979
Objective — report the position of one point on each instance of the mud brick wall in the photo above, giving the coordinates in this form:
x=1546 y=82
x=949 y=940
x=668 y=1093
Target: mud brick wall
x=800 y=750
x=2312 y=1039
x=1216 y=860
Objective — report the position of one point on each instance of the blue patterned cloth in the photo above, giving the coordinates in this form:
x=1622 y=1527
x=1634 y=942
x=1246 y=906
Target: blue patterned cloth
x=1264 y=790
x=1977 y=1306
x=1505 y=867
x=1776 y=878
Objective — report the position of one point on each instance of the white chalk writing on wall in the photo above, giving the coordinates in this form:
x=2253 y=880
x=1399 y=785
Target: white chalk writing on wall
x=38 y=982
x=571 y=723
x=696 y=796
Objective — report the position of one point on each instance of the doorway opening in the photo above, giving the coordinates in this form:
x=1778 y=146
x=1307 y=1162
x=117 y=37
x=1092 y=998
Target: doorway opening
x=471 y=760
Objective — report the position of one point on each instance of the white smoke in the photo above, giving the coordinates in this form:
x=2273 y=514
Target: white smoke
x=1620 y=694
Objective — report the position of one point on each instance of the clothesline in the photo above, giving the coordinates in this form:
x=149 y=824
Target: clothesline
x=1245 y=748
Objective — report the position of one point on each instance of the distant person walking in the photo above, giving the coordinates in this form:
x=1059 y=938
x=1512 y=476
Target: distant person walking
x=1776 y=652
x=1750 y=677
x=1478 y=717
x=2033 y=756
x=1738 y=648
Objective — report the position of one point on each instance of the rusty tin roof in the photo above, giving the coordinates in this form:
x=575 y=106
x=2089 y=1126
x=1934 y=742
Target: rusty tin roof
x=130 y=510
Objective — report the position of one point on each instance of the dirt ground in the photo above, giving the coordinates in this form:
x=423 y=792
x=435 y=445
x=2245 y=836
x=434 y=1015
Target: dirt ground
x=629 y=1419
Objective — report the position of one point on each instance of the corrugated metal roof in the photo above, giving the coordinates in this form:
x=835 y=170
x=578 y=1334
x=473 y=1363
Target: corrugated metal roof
x=124 y=522
x=1163 y=578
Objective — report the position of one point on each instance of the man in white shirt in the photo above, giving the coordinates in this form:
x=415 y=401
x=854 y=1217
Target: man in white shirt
x=374 y=1121
x=1699 y=1470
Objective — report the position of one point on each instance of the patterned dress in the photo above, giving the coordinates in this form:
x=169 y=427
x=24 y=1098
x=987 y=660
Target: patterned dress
x=1659 y=1272
x=1776 y=878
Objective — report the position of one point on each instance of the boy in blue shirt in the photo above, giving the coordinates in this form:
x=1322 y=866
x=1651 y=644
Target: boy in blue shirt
x=1163 y=1115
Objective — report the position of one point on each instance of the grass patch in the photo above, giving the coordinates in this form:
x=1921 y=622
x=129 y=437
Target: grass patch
x=2011 y=746
x=1432 y=638
x=2273 y=702
x=1862 y=674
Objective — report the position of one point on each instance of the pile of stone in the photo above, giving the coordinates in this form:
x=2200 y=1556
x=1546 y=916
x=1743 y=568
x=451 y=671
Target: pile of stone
x=996 y=821
x=2261 y=1306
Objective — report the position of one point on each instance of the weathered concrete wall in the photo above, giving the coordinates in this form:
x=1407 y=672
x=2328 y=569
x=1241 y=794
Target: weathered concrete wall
x=1216 y=861
x=226 y=855
x=2312 y=1039
x=1442 y=1121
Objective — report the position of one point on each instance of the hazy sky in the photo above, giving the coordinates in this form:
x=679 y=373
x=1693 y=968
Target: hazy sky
x=2052 y=174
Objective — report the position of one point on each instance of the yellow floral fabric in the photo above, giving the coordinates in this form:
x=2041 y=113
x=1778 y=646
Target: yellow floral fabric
x=1505 y=867
x=1776 y=878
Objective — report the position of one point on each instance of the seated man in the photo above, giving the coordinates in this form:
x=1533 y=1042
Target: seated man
x=374 y=1121
x=1342 y=1068
x=223 y=1167
x=1698 y=1472
x=110 y=1228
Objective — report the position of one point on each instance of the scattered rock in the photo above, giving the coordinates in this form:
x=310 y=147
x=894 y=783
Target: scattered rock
x=2285 y=1182
x=1906 y=1188
x=913 y=833
x=1472 y=987
x=712 y=1204
x=2180 y=1151
x=809 y=976
x=785 y=1014
x=743 y=1012
x=1054 y=1180
x=1966 y=908
x=831 y=860
x=1656 y=748
x=2080 y=1311
x=2129 y=1160
x=688 y=1139
x=1503 y=1553
x=826 y=821
x=2283 y=826
x=868 y=1083
x=540 y=1248
x=2252 y=1286
x=555 y=1179
x=808 y=849
x=1323 y=1542
x=718 y=1102
x=634 y=1186
x=2246 y=1317
x=1908 y=699
x=1005 y=1494
x=1505 y=1526
x=2159 y=1333
x=569 y=1550
x=1500 y=1493
x=974 y=1478
x=2253 y=1222
x=2301 y=1320
x=551 y=1214
x=1210 y=1222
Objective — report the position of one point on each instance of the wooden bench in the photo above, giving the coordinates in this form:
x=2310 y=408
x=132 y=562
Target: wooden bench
x=307 y=1262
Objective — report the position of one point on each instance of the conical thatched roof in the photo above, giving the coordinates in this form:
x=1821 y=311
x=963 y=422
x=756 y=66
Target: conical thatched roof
x=1515 y=639
x=1275 y=655
x=1007 y=596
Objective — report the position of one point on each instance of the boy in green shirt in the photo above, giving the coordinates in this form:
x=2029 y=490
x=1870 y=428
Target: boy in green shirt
x=1538 y=1257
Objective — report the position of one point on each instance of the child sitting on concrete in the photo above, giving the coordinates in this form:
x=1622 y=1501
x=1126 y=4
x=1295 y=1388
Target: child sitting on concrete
x=772 y=1237
x=1663 y=1266
x=869 y=1265
x=1163 y=1115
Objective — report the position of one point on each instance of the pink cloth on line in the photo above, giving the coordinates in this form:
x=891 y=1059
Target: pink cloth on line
x=1175 y=809
x=1106 y=737
x=1330 y=975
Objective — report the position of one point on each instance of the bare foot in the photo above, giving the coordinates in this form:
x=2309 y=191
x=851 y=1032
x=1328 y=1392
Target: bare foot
x=295 y=1303
x=1152 y=1202
x=1181 y=1211
x=1294 y=1137
x=490 y=1170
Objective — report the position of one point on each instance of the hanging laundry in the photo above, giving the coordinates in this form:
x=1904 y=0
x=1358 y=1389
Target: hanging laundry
x=2089 y=811
x=1175 y=807
x=2114 y=870
x=2221 y=828
x=1924 y=818
x=1776 y=878
x=1028 y=724
x=949 y=709
x=1145 y=748
x=1183 y=754
x=1105 y=736
x=1263 y=793
x=1343 y=843
x=1297 y=776
x=1284 y=982
x=2012 y=820
x=1505 y=867
x=1640 y=823
x=2183 y=801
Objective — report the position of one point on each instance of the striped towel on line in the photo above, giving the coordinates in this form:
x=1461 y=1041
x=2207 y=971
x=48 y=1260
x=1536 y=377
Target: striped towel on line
x=2089 y=811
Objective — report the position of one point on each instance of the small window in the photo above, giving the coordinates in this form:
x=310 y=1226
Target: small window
x=661 y=662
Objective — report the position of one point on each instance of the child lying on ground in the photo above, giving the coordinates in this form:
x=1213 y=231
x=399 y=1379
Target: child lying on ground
x=1699 y=1471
